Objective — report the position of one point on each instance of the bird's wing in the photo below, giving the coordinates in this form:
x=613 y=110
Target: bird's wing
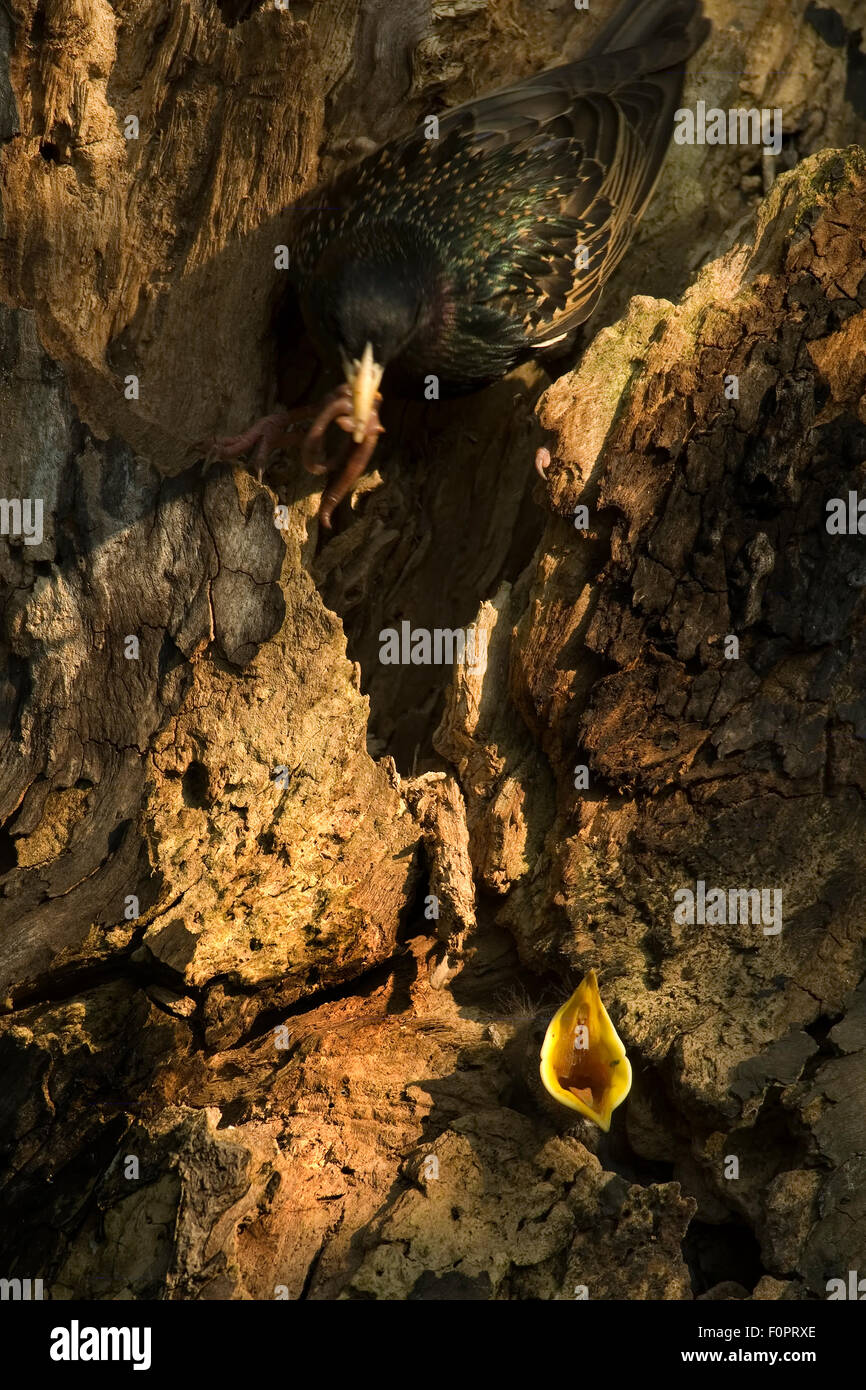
x=536 y=193
x=602 y=127
x=533 y=191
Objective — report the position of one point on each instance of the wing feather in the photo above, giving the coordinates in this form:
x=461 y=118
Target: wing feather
x=532 y=192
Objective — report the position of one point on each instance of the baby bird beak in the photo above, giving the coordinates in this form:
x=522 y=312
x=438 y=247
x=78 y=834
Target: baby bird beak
x=363 y=377
x=583 y=1062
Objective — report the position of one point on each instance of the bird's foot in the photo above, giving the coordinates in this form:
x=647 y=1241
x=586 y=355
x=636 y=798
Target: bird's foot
x=265 y=437
x=272 y=432
x=336 y=408
x=542 y=463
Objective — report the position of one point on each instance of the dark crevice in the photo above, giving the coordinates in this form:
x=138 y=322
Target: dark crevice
x=359 y=987
x=721 y=1254
x=196 y=785
x=8 y=853
x=118 y=835
x=311 y=1273
x=855 y=81
x=239 y=11
x=79 y=979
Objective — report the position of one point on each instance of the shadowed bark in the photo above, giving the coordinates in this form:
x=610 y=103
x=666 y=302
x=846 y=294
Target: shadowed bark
x=282 y=925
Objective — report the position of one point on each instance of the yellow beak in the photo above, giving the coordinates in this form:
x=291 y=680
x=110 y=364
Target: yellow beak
x=583 y=1062
x=363 y=377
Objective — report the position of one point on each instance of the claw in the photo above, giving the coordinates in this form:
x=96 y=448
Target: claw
x=337 y=406
x=267 y=436
x=270 y=433
x=209 y=449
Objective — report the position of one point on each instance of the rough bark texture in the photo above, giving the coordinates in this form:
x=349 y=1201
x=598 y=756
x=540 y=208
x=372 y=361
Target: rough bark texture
x=219 y=842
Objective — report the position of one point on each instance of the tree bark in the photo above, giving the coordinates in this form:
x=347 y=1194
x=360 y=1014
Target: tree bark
x=283 y=925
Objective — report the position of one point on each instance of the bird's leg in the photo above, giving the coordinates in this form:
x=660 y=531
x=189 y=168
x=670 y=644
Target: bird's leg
x=353 y=468
x=272 y=431
x=267 y=435
x=336 y=406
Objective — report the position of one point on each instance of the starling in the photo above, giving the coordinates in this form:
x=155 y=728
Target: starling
x=459 y=256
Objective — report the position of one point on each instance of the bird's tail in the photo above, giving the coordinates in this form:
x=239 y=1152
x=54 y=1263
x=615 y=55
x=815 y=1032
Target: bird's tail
x=670 y=31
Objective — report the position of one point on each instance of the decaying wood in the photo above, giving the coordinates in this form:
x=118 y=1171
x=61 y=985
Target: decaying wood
x=218 y=839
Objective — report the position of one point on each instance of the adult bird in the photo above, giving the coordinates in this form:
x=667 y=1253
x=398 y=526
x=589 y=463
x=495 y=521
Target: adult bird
x=457 y=257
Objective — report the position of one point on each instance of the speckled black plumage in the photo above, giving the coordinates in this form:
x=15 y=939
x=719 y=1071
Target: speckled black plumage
x=456 y=256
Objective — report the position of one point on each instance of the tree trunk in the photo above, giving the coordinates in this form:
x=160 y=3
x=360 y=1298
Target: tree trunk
x=283 y=924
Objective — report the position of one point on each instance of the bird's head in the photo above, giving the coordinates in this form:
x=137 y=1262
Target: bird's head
x=370 y=297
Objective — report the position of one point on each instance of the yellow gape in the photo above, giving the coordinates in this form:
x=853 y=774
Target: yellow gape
x=583 y=1062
